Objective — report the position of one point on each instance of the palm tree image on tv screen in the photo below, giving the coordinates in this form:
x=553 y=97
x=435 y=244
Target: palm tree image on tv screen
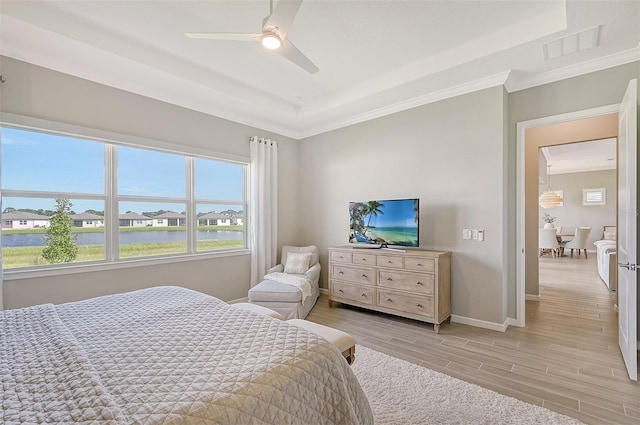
x=389 y=222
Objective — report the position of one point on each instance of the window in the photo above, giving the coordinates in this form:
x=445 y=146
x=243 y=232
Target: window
x=594 y=196
x=156 y=201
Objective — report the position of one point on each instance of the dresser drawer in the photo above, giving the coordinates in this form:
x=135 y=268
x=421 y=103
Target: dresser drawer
x=420 y=264
x=360 y=294
x=342 y=257
x=422 y=305
x=414 y=282
x=364 y=259
x=353 y=274
x=389 y=261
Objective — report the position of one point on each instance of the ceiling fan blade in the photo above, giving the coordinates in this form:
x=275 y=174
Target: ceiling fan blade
x=282 y=16
x=224 y=36
x=290 y=52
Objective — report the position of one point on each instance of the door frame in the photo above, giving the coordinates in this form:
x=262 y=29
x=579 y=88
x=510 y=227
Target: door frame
x=522 y=126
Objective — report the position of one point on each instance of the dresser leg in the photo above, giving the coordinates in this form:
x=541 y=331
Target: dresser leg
x=436 y=328
x=330 y=303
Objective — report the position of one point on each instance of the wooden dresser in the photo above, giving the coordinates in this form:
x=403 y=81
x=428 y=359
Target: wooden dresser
x=414 y=284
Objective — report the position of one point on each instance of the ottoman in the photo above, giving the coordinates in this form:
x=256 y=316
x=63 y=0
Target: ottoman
x=345 y=342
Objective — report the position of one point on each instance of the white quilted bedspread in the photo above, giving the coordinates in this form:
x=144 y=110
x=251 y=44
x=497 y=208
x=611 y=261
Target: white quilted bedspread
x=173 y=356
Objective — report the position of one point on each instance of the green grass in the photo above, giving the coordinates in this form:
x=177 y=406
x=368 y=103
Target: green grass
x=13 y=257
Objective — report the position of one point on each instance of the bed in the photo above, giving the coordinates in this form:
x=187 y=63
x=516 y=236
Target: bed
x=173 y=356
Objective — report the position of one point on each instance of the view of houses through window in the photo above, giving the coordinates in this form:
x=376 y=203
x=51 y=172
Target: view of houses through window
x=56 y=185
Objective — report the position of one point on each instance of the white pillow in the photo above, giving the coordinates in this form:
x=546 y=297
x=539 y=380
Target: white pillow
x=297 y=262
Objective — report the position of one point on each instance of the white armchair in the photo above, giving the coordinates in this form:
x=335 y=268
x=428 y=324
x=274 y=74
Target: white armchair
x=313 y=273
x=287 y=299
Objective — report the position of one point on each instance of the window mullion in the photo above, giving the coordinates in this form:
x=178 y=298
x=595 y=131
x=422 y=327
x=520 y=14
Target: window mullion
x=111 y=209
x=192 y=223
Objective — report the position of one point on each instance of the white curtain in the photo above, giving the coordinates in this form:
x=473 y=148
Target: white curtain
x=263 y=206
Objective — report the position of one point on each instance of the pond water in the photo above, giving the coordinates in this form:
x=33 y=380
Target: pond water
x=18 y=240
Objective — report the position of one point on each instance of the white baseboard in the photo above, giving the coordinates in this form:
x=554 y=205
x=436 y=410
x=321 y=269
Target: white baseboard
x=501 y=327
x=324 y=291
x=530 y=297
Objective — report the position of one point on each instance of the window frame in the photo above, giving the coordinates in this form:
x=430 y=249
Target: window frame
x=111 y=199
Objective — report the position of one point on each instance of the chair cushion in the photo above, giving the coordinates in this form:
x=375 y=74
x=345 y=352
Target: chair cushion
x=269 y=290
x=297 y=262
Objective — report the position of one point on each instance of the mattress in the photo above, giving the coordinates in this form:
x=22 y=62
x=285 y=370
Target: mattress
x=169 y=355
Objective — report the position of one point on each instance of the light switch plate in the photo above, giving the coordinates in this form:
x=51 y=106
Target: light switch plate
x=480 y=235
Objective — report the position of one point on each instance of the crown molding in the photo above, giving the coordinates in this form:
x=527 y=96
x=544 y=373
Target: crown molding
x=515 y=83
x=469 y=87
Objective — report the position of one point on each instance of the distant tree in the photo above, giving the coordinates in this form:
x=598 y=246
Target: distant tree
x=9 y=210
x=152 y=214
x=61 y=246
x=95 y=212
x=229 y=213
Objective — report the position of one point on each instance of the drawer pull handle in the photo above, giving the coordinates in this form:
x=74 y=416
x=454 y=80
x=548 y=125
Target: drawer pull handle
x=389 y=278
x=389 y=300
x=341 y=256
x=340 y=290
x=364 y=276
x=364 y=259
x=419 y=305
x=340 y=272
x=389 y=261
x=364 y=295
x=419 y=264
x=418 y=283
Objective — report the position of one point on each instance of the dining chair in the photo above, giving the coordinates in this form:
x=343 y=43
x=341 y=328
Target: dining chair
x=547 y=240
x=579 y=241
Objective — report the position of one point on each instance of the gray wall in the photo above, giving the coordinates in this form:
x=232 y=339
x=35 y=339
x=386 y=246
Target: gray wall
x=573 y=214
x=41 y=93
x=451 y=155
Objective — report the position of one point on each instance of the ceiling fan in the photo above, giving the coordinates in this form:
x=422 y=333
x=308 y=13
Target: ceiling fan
x=273 y=36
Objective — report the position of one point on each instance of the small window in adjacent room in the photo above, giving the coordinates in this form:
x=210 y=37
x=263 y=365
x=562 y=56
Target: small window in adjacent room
x=594 y=196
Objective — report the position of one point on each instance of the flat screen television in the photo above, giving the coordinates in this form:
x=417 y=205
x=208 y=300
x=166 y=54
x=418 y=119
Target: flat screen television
x=382 y=223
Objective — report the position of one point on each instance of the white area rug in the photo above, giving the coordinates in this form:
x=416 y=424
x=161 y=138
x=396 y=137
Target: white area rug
x=402 y=393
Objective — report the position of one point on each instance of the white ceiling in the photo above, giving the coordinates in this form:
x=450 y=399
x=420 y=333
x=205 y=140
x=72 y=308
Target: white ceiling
x=375 y=57
x=580 y=157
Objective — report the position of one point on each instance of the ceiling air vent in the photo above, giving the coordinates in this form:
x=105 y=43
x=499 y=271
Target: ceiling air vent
x=571 y=43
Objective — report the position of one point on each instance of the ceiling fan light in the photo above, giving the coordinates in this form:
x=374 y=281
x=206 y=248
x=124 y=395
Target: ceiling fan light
x=271 y=41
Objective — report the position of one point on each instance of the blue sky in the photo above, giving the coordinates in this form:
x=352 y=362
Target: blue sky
x=47 y=162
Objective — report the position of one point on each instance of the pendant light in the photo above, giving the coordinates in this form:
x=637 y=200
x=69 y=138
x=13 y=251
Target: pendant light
x=549 y=198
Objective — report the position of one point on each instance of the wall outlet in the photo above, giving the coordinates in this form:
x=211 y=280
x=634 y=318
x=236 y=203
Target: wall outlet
x=474 y=234
x=480 y=235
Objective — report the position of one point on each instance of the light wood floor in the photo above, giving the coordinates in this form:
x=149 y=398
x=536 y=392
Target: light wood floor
x=565 y=359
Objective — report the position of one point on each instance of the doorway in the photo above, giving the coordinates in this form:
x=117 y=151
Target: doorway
x=610 y=121
x=593 y=124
